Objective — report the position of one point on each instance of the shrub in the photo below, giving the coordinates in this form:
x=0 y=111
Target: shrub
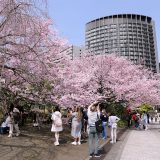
x=122 y=123
x=145 y=108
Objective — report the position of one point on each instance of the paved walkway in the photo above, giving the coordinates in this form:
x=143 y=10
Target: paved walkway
x=137 y=145
x=35 y=145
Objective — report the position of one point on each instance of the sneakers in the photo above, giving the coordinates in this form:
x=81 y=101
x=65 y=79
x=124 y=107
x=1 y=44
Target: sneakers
x=74 y=143
x=111 y=142
x=10 y=135
x=17 y=134
x=79 y=143
x=56 y=143
x=91 y=155
x=97 y=155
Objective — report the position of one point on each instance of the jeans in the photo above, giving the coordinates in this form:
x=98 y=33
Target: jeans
x=3 y=130
x=104 y=132
x=136 y=124
x=93 y=140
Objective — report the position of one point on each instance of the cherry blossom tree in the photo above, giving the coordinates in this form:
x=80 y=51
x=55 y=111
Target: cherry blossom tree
x=30 y=51
x=92 y=77
x=33 y=66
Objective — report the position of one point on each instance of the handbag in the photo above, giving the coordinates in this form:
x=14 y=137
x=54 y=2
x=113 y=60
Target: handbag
x=92 y=130
x=99 y=126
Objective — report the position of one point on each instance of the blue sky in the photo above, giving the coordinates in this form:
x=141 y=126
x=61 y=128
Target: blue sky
x=70 y=16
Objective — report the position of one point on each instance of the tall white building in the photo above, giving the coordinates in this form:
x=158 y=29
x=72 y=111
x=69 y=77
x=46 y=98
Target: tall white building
x=73 y=51
x=129 y=35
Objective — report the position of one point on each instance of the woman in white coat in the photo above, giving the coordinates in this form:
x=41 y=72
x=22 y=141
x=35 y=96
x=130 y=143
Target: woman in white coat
x=56 y=124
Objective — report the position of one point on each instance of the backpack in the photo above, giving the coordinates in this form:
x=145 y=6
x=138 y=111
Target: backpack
x=99 y=126
x=58 y=121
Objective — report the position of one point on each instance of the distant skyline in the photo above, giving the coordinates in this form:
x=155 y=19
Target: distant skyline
x=70 y=16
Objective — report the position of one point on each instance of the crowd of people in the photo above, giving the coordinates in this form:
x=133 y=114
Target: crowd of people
x=140 y=120
x=82 y=122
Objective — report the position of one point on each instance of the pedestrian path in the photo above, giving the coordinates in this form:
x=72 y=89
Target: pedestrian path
x=29 y=146
x=155 y=125
x=131 y=145
x=137 y=145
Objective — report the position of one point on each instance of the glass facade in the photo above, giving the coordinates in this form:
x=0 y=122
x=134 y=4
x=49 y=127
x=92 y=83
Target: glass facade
x=129 y=35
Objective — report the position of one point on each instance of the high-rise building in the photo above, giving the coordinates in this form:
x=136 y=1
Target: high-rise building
x=73 y=51
x=129 y=35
